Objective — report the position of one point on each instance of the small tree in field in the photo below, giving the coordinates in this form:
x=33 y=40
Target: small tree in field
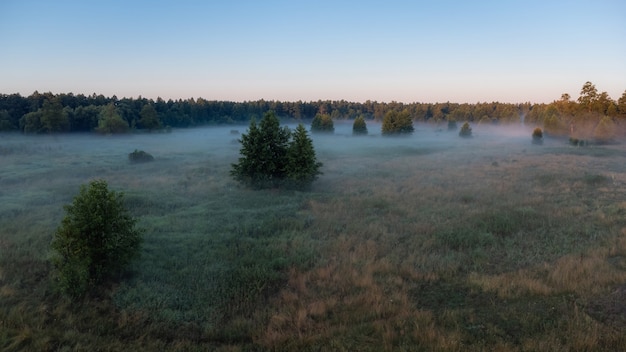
x=97 y=239
x=270 y=157
x=322 y=123
x=302 y=165
x=397 y=123
x=466 y=130
x=263 y=160
x=537 y=136
x=359 y=127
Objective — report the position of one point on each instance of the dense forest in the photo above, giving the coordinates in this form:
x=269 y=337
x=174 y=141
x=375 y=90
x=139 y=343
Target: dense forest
x=67 y=112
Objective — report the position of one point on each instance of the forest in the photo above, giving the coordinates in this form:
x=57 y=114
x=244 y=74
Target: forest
x=67 y=112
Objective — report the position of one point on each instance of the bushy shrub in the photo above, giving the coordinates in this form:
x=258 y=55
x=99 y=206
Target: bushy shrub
x=322 y=123
x=466 y=130
x=359 y=127
x=537 y=136
x=139 y=156
x=97 y=239
x=271 y=158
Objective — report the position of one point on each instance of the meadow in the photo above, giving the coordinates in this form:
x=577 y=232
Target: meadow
x=424 y=243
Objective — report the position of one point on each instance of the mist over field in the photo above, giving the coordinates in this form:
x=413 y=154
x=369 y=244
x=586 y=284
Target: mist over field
x=429 y=229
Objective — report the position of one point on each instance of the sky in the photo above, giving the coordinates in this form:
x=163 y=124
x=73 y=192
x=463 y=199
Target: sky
x=241 y=50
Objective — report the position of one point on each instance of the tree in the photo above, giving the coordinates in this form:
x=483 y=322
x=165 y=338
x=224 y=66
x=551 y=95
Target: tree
x=5 y=121
x=604 y=131
x=466 y=130
x=395 y=123
x=53 y=117
x=149 y=118
x=537 y=136
x=302 y=165
x=31 y=122
x=322 y=123
x=110 y=121
x=621 y=104
x=359 y=127
x=97 y=239
x=263 y=152
x=588 y=96
x=452 y=124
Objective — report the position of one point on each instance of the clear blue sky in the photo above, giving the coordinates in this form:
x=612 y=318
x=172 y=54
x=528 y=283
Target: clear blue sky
x=409 y=51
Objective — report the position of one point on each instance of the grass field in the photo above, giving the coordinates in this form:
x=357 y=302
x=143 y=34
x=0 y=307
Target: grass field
x=424 y=243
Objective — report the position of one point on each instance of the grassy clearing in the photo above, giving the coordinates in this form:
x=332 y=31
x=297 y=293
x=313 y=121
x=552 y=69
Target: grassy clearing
x=402 y=244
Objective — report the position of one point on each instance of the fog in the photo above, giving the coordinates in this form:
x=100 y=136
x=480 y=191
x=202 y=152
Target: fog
x=73 y=152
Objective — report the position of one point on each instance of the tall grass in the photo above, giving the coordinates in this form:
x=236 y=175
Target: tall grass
x=401 y=245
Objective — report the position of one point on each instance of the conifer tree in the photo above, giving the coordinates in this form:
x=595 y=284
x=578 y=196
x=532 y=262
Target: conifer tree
x=302 y=165
x=395 y=123
x=466 y=130
x=322 y=123
x=359 y=127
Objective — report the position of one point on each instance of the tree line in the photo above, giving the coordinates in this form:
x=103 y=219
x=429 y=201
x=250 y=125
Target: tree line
x=67 y=112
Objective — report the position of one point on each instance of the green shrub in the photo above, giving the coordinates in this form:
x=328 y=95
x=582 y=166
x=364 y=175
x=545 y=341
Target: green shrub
x=271 y=158
x=466 y=130
x=139 y=156
x=359 y=127
x=97 y=239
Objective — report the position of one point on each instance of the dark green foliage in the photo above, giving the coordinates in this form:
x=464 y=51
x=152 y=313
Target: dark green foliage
x=537 y=136
x=110 y=121
x=466 y=130
x=359 y=127
x=97 y=239
x=54 y=118
x=270 y=158
x=139 y=156
x=322 y=123
x=149 y=118
x=396 y=123
x=302 y=165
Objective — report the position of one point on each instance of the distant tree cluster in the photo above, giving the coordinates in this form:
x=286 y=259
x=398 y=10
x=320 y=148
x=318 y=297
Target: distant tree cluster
x=50 y=113
x=273 y=156
x=593 y=116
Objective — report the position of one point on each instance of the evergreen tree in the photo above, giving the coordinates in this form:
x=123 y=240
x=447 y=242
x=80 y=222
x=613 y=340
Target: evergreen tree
x=322 y=123
x=359 y=127
x=395 y=123
x=263 y=152
x=466 y=130
x=97 y=239
x=302 y=164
